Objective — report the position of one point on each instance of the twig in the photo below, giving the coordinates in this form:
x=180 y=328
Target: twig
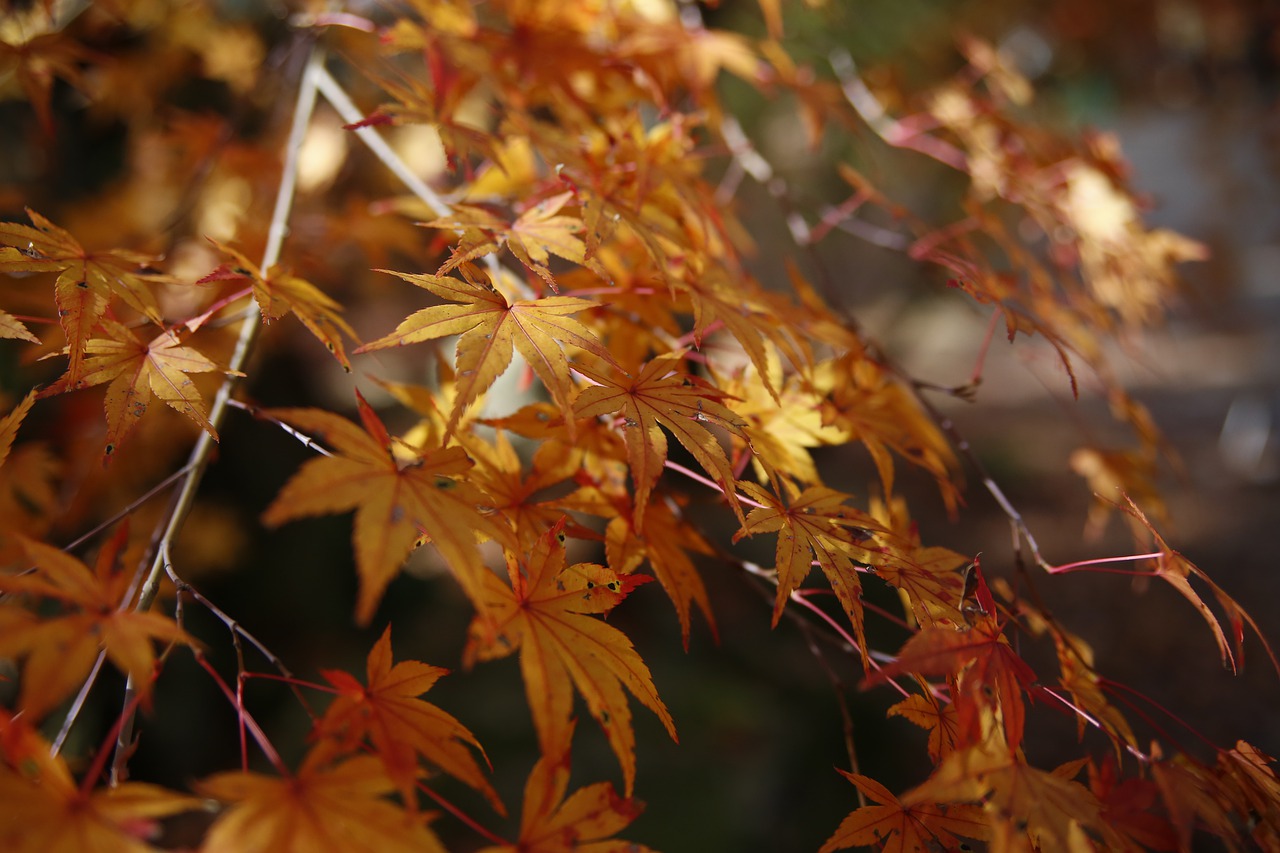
x=694 y=475
x=77 y=705
x=350 y=113
x=333 y=92
x=237 y=630
x=198 y=461
x=307 y=441
x=899 y=134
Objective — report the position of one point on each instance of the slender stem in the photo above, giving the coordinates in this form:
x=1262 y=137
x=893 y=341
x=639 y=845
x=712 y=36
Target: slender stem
x=898 y=133
x=306 y=440
x=1093 y=721
x=1084 y=564
x=694 y=475
x=350 y=113
x=77 y=705
x=249 y=328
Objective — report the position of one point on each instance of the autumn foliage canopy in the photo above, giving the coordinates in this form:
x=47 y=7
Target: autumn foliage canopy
x=505 y=234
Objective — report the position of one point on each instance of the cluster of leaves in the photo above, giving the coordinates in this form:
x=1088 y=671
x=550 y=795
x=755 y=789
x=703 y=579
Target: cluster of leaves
x=574 y=238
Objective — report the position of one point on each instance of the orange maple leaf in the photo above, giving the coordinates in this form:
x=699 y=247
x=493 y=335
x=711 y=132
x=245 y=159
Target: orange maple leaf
x=279 y=292
x=45 y=811
x=868 y=402
x=814 y=525
x=1175 y=569
x=500 y=473
x=937 y=717
x=927 y=576
x=544 y=615
x=60 y=649
x=13 y=328
x=550 y=823
x=490 y=327
x=400 y=725
x=394 y=502
x=1022 y=803
x=9 y=424
x=902 y=828
x=136 y=370
x=36 y=61
x=540 y=232
x=988 y=673
x=661 y=395
x=533 y=237
x=86 y=282
x=27 y=491
x=323 y=808
x=663 y=542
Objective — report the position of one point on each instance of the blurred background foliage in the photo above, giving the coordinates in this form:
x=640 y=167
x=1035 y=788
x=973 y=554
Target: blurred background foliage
x=180 y=133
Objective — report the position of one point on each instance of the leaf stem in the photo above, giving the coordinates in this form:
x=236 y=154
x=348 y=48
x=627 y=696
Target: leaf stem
x=694 y=475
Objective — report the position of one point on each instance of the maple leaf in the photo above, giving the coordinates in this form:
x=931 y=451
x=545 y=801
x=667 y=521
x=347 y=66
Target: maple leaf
x=876 y=408
x=278 y=292
x=27 y=489
x=929 y=712
x=499 y=472
x=781 y=427
x=135 y=371
x=666 y=537
x=1127 y=804
x=552 y=823
x=320 y=809
x=927 y=576
x=533 y=237
x=989 y=673
x=904 y=828
x=401 y=726
x=814 y=525
x=45 y=811
x=9 y=424
x=539 y=231
x=1192 y=797
x=36 y=61
x=1078 y=676
x=13 y=328
x=659 y=396
x=490 y=327
x=545 y=615
x=1022 y=803
x=1246 y=772
x=86 y=282
x=60 y=650
x=394 y=503
x=663 y=543
x=1176 y=570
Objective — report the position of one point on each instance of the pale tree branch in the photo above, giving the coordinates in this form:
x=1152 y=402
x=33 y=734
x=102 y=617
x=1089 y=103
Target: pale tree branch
x=250 y=326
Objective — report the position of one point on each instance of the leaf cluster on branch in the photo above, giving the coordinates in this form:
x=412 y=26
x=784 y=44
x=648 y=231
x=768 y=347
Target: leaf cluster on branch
x=586 y=389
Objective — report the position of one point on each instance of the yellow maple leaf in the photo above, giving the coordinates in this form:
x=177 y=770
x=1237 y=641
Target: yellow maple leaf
x=547 y=616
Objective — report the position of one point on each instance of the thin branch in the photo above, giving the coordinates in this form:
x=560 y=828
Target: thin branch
x=694 y=475
x=350 y=113
x=77 y=705
x=899 y=134
x=128 y=510
x=201 y=454
x=1093 y=721
x=237 y=630
x=307 y=441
